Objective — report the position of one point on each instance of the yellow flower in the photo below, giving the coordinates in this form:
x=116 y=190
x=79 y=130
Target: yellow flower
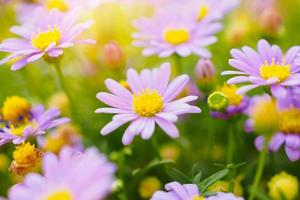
x=16 y=110
x=148 y=186
x=26 y=157
x=223 y=186
x=283 y=184
x=265 y=116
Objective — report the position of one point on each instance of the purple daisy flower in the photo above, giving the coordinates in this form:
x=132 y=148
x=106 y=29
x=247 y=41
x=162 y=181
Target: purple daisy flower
x=289 y=126
x=40 y=122
x=47 y=35
x=211 y=10
x=71 y=175
x=169 y=33
x=176 y=191
x=267 y=67
x=26 y=10
x=224 y=196
x=150 y=100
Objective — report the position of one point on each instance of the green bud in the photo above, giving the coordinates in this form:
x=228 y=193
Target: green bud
x=217 y=101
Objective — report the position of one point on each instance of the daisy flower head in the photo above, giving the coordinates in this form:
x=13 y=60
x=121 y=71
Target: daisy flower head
x=177 y=191
x=288 y=127
x=266 y=67
x=149 y=99
x=23 y=121
x=210 y=9
x=71 y=175
x=47 y=36
x=25 y=10
x=170 y=33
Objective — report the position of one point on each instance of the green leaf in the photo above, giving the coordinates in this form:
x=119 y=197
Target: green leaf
x=197 y=178
x=178 y=176
x=151 y=165
x=231 y=187
x=195 y=170
x=212 y=179
x=260 y=195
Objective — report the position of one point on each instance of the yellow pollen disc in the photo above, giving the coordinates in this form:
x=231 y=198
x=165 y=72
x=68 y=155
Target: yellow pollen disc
x=147 y=103
x=43 y=39
x=176 y=36
x=230 y=93
x=26 y=155
x=198 y=198
x=16 y=110
x=60 y=195
x=58 y=4
x=289 y=121
x=275 y=70
x=203 y=12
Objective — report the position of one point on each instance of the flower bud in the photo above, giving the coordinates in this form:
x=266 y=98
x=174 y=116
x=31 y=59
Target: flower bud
x=113 y=56
x=217 y=101
x=283 y=184
x=205 y=74
x=170 y=151
x=270 y=20
x=148 y=186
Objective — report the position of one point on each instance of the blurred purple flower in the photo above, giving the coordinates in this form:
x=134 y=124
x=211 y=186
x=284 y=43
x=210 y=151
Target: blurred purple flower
x=71 y=175
x=25 y=11
x=224 y=196
x=40 y=122
x=289 y=127
x=171 y=33
x=267 y=67
x=150 y=100
x=47 y=35
x=176 y=191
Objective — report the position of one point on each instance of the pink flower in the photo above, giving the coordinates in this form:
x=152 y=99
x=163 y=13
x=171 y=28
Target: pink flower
x=150 y=101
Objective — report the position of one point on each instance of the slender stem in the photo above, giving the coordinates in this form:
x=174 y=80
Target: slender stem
x=230 y=150
x=65 y=89
x=155 y=147
x=178 y=63
x=259 y=169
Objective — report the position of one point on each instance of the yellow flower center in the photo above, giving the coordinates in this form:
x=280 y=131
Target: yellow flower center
x=289 y=121
x=16 y=110
x=275 y=70
x=43 y=39
x=58 y=4
x=147 y=103
x=26 y=155
x=198 y=198
x=203 y=12
x=60 y=195
x=283 y=184
x=265 y=116
x=229 y=92
x=176 y=36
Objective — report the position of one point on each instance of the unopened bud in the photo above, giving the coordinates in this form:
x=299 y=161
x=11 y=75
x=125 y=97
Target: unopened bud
x=205 y=74
x=270 y=21
x=217 y=101
x=113 y=56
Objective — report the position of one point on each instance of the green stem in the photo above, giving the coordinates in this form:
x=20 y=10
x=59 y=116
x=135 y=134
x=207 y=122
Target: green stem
x=155 y=147
x=65 y=89
x=178 y=63
x=259 y=169
x=230 y=150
